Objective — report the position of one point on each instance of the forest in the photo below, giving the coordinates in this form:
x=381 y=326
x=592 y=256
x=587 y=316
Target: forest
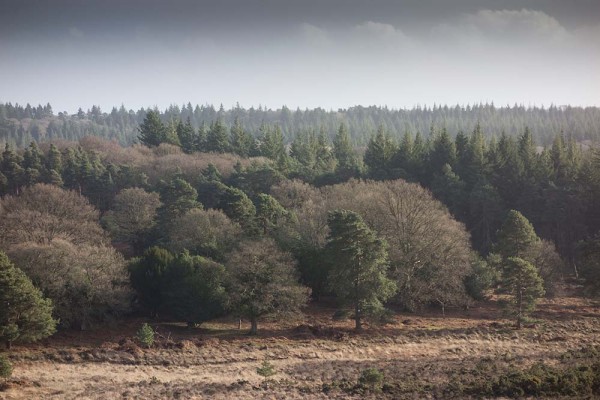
x=20 y=124
x=191 y=215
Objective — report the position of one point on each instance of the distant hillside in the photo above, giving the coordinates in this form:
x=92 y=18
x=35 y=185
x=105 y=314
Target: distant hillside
x=19 y=125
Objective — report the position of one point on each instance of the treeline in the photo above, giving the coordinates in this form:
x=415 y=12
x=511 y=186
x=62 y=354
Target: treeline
x=255 y=226
x=21 y=124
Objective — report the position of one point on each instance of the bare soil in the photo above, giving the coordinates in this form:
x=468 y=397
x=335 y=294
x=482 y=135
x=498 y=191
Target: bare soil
x=314 y=358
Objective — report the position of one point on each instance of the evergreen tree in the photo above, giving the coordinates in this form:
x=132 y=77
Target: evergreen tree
x=194 y=291
x=523 y=282
x=32 y=158
x=379 y=153
x=515 y=236
x=239 y=208
x=177 y=198
x=443 y=152
x=358 y=264
x=200 y=139
x=268 y=212
x=186 y=134
x=152 y=131
x=217 y=140
x=241 y=141
x=147 y=276
x=25 y=315
x=272 y=145
x=347 y=162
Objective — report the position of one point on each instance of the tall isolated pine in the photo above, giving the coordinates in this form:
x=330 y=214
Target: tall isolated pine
x=358 y=264
x=25 y=315
x=525 y=285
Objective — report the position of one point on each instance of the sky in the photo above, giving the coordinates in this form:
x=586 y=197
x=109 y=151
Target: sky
x=311 y=53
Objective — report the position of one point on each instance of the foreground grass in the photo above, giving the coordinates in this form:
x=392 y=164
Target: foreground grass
x=465 y=355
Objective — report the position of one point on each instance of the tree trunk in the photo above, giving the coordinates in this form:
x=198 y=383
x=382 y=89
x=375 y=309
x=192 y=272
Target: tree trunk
x=253 y=326
x=239 y=323
x=8 y=344
x=520 y=307
x=357 y=316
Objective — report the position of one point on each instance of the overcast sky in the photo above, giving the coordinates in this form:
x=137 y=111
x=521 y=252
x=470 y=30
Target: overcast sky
x=310 y=53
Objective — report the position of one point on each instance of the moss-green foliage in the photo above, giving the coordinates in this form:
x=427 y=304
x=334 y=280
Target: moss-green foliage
x=145 y=335
x=5 y=367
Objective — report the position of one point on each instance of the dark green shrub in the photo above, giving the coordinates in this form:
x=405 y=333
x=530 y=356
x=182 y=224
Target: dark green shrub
x=5 y=367
x=145 y=335
x=372 y=379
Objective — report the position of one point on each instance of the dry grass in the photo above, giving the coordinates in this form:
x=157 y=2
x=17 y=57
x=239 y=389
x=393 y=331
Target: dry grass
x=419 y=353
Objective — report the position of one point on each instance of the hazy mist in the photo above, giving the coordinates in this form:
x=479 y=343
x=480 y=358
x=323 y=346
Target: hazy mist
x=328 y=54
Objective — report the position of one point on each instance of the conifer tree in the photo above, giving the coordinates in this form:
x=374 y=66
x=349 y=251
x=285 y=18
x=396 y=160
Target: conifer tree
x=185 y=134
x=240 y=139
x=25 y=315
x=343 y=152
x=524 y=284
x=217 y=139
x=358 y=264
x=152 y=131
x=515 y=236
x=147 y=277
x=379 y=153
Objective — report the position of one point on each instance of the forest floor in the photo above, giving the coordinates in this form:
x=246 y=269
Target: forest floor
x=421 y=356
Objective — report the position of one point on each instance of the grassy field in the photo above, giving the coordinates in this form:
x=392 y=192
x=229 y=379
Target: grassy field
x=465 y=354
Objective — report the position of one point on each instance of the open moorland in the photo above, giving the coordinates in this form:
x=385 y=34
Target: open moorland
x=467 y=354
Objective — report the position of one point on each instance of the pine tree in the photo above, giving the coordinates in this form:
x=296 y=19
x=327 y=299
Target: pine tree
x=442 y=153
x=268 y=212
x=217 y=140
x=379 y=153
x=524 y=284
x=152 y=131
x=186 y=134
x=147 y=277
x=358 y=264
x=240 y=139
x=344 y=153
x=194 y=291
x=25 y=315
x=515 y=236
x=177 y=197
x=238 y=206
